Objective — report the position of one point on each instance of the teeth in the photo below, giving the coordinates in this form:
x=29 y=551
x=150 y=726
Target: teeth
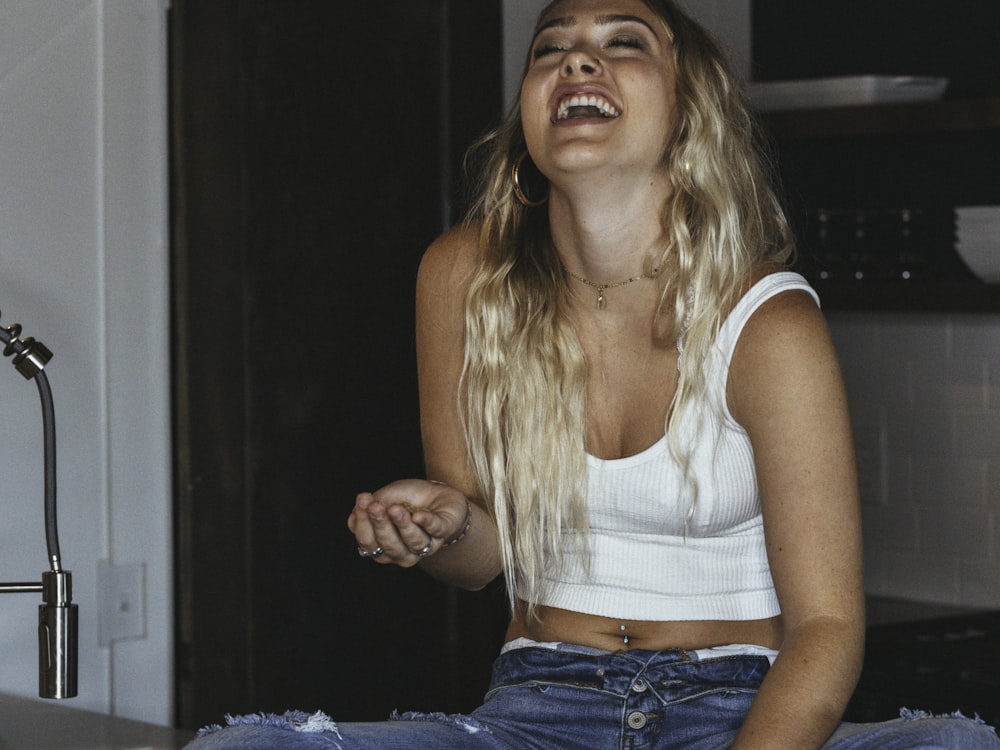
x=582 y=100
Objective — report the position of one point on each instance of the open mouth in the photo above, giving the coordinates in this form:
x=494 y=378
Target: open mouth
x=585 y=106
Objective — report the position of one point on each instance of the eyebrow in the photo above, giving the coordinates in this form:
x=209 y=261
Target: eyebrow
x=602 y=20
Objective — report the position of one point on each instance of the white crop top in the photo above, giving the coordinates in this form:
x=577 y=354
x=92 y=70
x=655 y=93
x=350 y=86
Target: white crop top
x=644 y=564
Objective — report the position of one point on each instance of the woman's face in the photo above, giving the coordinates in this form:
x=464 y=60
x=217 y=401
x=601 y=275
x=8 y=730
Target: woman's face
x=600 y=89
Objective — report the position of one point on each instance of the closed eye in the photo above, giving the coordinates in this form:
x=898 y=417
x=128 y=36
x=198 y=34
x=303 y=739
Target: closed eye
x=632 y=42
x=545 y=49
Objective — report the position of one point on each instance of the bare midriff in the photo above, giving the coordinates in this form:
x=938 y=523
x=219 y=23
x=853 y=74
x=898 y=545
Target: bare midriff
x=612 y=634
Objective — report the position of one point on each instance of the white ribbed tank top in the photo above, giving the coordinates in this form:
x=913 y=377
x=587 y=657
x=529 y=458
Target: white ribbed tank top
x=644 y=563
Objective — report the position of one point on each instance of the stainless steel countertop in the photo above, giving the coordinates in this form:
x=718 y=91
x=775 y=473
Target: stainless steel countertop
x=55 y=725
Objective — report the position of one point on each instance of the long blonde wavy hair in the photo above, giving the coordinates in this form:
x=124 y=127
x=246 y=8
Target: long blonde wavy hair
x=524 y=377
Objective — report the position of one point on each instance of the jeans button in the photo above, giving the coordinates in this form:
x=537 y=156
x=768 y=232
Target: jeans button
x=639 y=686
x=636 y=720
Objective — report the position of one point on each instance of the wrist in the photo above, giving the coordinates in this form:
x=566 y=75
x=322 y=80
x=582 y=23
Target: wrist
x=466 y=527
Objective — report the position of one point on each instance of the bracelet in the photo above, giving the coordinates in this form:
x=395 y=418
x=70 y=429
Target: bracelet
x=465 y=530
x=468 y=518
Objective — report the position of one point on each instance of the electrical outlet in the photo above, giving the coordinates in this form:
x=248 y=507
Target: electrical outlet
x=122 y=597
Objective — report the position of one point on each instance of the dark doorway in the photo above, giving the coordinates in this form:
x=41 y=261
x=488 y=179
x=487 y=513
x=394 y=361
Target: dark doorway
x=314 y=151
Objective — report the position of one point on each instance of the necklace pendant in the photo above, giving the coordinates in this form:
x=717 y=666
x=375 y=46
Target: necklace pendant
x=600 y=299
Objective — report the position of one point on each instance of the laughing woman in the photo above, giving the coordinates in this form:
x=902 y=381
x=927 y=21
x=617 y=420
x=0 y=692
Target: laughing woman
x=634 y=412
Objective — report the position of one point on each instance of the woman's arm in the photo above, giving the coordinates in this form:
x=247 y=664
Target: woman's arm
x=439 y=512
x=785 y=388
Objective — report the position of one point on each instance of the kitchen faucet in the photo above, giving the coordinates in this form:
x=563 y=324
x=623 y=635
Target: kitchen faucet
x=57 y=615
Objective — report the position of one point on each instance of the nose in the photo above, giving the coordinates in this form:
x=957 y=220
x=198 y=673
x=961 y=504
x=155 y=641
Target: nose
x=580 y=61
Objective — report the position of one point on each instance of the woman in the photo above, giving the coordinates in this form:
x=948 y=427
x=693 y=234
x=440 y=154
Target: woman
x=645 y=429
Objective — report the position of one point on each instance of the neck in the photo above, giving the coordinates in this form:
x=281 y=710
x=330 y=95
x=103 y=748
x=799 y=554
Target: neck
x=606 y=241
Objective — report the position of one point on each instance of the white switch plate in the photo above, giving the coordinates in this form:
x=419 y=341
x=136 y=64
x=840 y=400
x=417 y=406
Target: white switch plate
x=122 y=597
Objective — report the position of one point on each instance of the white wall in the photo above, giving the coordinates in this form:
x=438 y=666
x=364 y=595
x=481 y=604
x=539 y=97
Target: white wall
x=83 y=267
x=925 y=398
x=925 y=401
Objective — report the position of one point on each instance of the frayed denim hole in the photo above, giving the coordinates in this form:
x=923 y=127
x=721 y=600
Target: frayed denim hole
x=293 y=721
x=459 y=721
x=210 y=729
x=909 y=714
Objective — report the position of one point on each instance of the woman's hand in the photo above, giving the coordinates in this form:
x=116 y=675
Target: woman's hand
x=408 y=520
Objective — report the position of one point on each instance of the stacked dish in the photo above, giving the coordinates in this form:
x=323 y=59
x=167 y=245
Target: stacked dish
x=978 y=240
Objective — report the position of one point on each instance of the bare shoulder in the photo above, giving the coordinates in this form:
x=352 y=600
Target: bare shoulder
x=790 y=317
x=442 y=283
x=450 y=259
x=785 y=348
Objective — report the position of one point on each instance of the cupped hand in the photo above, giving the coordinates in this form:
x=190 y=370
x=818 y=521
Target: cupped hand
x=406 y=521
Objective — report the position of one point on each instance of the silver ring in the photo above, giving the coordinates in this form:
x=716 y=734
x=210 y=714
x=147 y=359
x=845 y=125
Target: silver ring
x=374 y=553
x=424 y=551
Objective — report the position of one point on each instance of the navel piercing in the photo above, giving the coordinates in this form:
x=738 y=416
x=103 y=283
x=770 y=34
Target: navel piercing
x=624 y=637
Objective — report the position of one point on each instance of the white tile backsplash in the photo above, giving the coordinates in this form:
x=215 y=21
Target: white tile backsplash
x=924 y=430
x=977 y=433
x=993 y=487
x=922 y=577
x=976 y=338
x=899 y=483
x=951 y=383
x=891 y=529
x=909 y=337
x=931 y=385
x=979 y=584
x=955 y=532
x=948 y=482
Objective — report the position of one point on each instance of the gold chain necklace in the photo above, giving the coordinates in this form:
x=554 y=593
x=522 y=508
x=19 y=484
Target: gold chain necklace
x=601 y=302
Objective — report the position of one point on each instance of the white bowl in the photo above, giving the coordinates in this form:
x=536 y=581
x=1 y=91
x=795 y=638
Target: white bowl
x=982 y=258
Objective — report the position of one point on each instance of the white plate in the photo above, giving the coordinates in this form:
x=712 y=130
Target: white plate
x=844 y=91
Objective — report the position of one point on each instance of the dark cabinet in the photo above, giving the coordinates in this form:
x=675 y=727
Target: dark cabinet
x=872 y=189
x=314 y=153
x=875 y=188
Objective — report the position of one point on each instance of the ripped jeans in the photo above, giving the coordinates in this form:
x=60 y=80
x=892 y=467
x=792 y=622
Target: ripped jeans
x=586 y=698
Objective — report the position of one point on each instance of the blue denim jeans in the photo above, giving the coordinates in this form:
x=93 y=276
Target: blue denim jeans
x=579 y=697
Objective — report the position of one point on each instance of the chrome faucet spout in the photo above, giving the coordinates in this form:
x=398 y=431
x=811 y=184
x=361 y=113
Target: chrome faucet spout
x=57 y=637
x=57 y=616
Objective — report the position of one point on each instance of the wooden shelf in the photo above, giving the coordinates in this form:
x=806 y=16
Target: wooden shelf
x=886 y=119
x=890 y=133
x=909 y=296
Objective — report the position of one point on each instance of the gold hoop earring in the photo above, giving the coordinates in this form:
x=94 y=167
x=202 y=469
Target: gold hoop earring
x=515 y=176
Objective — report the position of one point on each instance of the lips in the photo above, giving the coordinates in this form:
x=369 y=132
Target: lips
x=584 y=105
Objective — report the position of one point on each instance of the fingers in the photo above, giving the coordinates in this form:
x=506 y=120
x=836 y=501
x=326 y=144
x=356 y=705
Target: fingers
x=407 y=520
x=414 y=537
x=388 y=534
